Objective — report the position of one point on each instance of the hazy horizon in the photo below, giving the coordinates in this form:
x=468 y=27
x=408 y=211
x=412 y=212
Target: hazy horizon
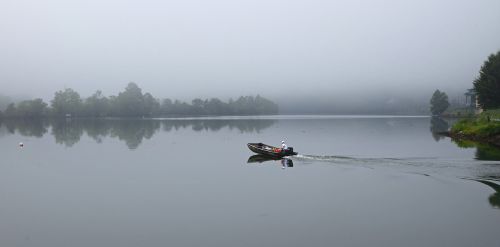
x=283 y=50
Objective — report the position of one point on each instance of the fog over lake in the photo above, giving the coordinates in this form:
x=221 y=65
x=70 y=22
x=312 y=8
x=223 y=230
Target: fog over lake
x=333 y=53
x=129 y=123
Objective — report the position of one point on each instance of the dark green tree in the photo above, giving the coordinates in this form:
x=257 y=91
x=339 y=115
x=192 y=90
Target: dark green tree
x=166 y=107
x=96 y=105
x=66 y=102
x=265 y=106
x=439 y=103
x=243 y=105
x=249 y=105
x=216 y=107
x=130 y=103
x=180 y=108
x=487 y=86
x=198 y=107
x=113 y=106
x=31 y=108
x=151 y=105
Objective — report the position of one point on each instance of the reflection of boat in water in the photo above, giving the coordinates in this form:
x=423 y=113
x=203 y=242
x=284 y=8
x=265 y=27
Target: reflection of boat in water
x=268 y=150
x=259 y=158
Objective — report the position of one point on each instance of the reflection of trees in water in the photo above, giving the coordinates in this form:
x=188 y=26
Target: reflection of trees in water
x=487 y=152
x=98 y=129
x=67 y=132
x=134 y=131
x=438 y=125
x=483 y=151
x=131 y=131
x=494 y=198
x=26 y=127
x=244 y=126
x=251 y=126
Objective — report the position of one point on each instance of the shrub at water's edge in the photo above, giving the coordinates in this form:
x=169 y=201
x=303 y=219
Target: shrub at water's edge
x=484 y=128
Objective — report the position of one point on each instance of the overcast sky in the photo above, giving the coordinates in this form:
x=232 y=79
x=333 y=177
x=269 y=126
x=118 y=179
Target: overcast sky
x=226 y=48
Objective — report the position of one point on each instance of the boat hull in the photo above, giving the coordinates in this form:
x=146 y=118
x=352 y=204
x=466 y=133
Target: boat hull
x=271 y=151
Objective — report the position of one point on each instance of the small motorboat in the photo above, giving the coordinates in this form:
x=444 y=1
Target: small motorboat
x=268 y=150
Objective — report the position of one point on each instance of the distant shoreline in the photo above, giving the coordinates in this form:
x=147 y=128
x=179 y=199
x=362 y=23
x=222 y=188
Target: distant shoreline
x=201 y=117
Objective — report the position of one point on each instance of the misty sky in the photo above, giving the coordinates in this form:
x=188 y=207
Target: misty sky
x=226 y=48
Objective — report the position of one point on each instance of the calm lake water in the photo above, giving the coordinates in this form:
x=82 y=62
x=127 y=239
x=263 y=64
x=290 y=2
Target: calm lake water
x=357 y=181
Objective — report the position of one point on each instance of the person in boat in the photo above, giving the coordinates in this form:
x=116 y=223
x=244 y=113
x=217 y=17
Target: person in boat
x=283 y=146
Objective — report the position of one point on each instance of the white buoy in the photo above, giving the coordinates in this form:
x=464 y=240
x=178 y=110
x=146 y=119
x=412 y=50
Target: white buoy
x=21 y=144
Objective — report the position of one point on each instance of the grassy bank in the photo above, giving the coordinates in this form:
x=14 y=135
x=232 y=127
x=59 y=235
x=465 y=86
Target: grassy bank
x=484 y=128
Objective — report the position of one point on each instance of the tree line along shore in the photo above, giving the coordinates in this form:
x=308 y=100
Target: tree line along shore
x=133 y=103
x=483 y=125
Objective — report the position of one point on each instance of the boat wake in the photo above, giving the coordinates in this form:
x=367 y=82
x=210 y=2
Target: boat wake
x=348 y=159
x=463 y=168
